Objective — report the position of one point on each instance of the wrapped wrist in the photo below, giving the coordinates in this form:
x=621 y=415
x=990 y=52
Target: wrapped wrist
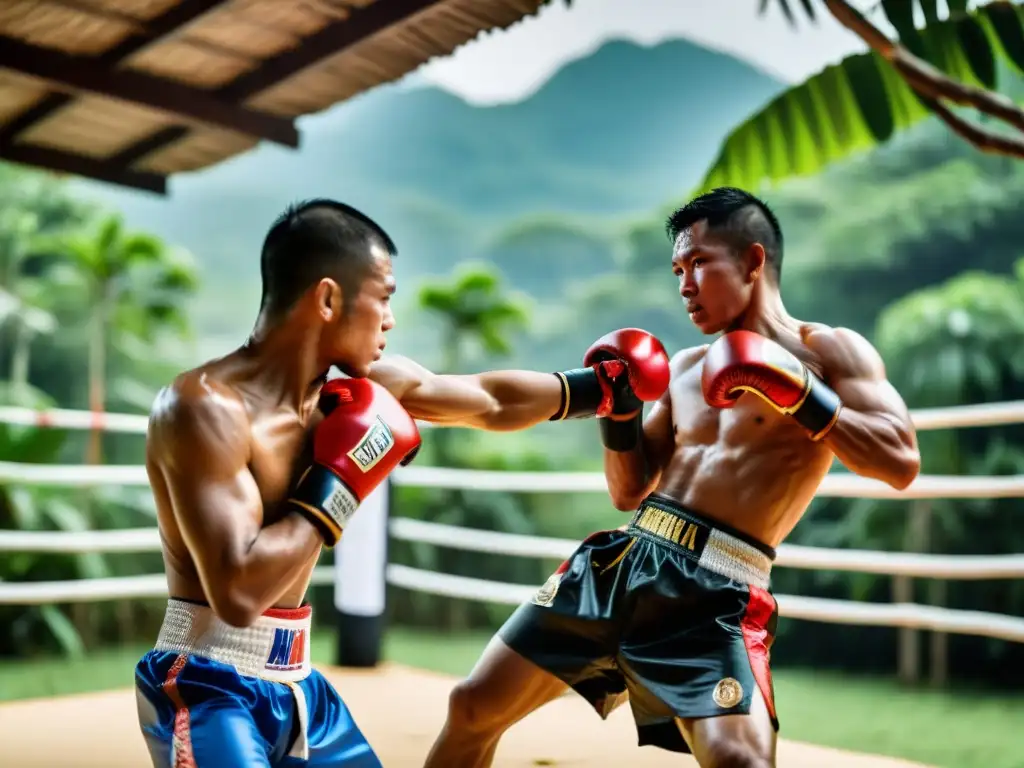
x=621 y=436
x=323 y=499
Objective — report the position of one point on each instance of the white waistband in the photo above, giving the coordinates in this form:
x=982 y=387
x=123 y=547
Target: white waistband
x=735 y=559
x=276 y=647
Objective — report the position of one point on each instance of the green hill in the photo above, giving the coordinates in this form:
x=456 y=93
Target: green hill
x=613 y=134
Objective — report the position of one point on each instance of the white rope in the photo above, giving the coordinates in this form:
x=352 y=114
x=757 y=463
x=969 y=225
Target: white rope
x=978 y=623
x=81 y=542
x=497 y=543
x=925 y=566
x=954 y=417
x=790 y=606
x=112 y=588
x=128 y=423
x=836 y=485
x=72 y=475
x=959 y=416
x=476 y=540
x=789 y=555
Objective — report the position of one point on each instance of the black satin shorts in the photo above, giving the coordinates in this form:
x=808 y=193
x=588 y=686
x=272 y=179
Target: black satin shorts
x=670 y=612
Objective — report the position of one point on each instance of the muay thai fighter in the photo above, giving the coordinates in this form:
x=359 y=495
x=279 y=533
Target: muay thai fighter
x=256 y=464
x=674 y=609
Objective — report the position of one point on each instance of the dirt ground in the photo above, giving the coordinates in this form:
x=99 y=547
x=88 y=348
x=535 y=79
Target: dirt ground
x=399 y=709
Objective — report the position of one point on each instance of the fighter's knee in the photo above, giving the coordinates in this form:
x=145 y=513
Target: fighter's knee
x=731 y=754
x=470 y=711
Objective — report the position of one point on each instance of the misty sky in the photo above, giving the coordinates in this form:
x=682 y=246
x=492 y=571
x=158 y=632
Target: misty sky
x=508 y=65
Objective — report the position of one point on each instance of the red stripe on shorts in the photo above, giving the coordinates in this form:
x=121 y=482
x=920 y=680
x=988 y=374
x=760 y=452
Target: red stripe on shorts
x=760 y=610
x=181 y=749
x=298 y=651
x=289 y=614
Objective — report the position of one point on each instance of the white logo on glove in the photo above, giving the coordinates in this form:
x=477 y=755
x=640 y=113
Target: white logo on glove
x=372 y=447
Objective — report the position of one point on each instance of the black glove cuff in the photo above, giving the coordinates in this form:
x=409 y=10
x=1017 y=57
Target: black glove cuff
x=322 y=498
x=819 y=411
x=581 y=394
x=621 y=436
x=314 y=516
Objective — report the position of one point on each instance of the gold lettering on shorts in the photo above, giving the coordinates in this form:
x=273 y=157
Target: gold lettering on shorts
x=676 y=529
x=689 y=537
x=669 y=526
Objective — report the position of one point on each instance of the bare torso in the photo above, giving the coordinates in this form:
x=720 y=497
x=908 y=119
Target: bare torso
x=748 y=467
x=279 y=443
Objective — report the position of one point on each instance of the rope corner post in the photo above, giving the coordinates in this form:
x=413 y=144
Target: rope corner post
x=360 y=583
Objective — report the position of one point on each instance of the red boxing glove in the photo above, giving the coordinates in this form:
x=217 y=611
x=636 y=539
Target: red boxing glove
x=646 y=360
x=365 y=435
x=743 y=361
x=625 y=369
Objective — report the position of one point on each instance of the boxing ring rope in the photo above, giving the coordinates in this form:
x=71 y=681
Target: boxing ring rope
x=953 y=417
x=960 y=567
x=836 y=485
x=840 y=484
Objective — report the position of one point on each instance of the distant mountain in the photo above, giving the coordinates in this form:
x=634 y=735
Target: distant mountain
x=620 y=130
x=611 y=135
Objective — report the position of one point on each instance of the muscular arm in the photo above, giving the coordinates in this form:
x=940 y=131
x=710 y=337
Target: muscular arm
x=874 y=435
x=631 y=475
x=497 y=401
x=201 y=447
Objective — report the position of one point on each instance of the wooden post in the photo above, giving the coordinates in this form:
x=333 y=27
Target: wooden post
x=916 y=539
x=939 y=652
x=908 y=652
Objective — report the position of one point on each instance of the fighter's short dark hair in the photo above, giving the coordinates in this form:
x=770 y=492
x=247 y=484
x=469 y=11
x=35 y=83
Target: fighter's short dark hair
x=735 y=217
x=314 y=239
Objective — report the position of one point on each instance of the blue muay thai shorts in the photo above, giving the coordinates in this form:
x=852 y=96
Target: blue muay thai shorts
x=211 y=695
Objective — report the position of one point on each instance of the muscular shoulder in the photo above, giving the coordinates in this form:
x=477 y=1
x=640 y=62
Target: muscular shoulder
x=687 y=358
x=398 y=374
x=195 y=415
x=843 y=352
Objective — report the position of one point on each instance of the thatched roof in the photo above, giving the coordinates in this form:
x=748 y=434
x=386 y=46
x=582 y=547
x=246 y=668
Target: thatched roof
x=131 y=91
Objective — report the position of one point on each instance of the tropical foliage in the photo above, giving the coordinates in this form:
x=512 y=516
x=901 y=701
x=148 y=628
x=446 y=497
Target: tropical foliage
x=85 y=303
x=864 y=100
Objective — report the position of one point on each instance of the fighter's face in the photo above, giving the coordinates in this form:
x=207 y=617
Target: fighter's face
x=356 y=339
x=715 y=283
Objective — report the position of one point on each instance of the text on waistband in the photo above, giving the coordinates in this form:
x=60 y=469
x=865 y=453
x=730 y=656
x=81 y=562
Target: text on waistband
x=668 y=526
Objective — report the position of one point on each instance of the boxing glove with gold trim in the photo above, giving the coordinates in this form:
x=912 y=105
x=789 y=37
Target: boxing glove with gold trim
x=743 y=361
x=624 y=369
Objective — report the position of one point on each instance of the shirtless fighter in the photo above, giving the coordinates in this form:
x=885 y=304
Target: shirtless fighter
x=256 y=463
x=674 y=610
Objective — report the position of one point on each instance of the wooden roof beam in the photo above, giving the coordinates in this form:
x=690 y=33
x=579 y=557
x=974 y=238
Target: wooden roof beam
x=65 y=162
x=79 y=73
x=360 y=24
x=173 y=19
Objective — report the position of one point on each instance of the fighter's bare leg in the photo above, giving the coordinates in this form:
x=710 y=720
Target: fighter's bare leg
x=502 y=689
x=733 y=741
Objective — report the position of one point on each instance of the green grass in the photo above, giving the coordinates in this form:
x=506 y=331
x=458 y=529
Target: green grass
x=938 y=727
x=942 y=728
